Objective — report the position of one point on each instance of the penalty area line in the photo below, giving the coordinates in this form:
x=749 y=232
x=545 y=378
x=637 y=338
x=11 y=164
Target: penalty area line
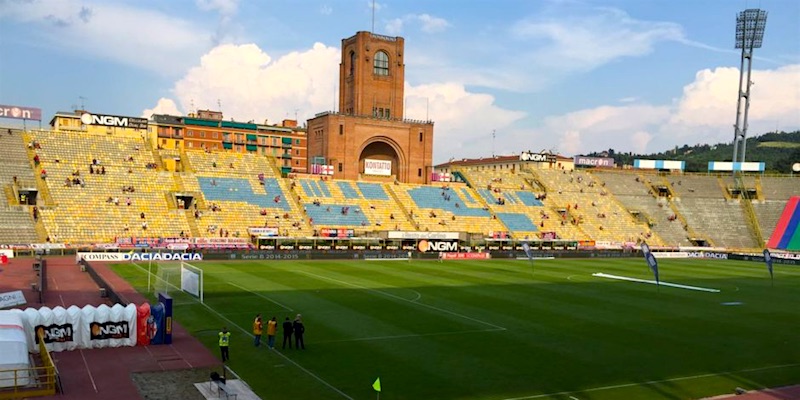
x=654 y=382
x=675 y=285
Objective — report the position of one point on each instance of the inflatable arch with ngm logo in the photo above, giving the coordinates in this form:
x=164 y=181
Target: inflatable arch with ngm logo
x=786 y=235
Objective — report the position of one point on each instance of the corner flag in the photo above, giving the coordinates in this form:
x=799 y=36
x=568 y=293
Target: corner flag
x=377 y=385
x=527 y=248
x=768 y=261
x=651 y=261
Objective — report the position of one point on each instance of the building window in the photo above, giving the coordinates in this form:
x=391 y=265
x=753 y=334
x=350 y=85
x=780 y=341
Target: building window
x=191 y=144
x=352 y=62
x=190 y=133
x=388 y=114
x=297 y=141
x=202 y=135
x=341 y=129
x=297 y=152
x=296 y=162
x=214 y=135
x=381 y=65
x=340 y=167
x=420 y=136
x=419 y=171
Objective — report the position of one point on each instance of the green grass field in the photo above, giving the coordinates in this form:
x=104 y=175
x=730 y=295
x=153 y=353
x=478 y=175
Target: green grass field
x=498 y=330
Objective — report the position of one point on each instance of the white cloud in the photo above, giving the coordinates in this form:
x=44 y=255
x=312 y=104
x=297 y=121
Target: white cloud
x=115 y=31
x=163 y=106
x=227 y=10
x=705 y=113
x=426 y=22
x=544 y=48
x=325 y=9
x=463 y=120
x=585 y=42
x=251 y=85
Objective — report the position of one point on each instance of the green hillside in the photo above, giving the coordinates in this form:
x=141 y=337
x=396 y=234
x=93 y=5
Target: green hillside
x=779 y=150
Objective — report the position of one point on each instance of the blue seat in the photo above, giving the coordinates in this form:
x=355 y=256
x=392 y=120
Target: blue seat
x=529 y=199
x=488 y=195
x=322 y=187
x=238 y=189
x=307 y=188
x=431 y=197
x=517 y=222
x=334 y=217
x=348 y=190
x=372 y=191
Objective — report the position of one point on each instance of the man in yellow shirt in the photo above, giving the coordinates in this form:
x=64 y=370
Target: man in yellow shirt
x=272 y=329
x=258 y=327
x=224 y=341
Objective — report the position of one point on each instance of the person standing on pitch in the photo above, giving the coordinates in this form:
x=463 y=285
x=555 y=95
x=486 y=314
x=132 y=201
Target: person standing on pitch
x=287 y=332
x=258 y=327
x=224 y=341
x=272 y=329
x=299 y=330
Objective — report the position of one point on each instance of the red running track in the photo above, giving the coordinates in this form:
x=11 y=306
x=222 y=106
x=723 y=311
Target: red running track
x=100 y=373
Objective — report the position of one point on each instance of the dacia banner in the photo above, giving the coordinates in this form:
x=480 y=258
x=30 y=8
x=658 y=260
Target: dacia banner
x=133 y=256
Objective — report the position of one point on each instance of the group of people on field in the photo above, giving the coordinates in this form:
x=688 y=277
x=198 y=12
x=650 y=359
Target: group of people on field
x=290 y=328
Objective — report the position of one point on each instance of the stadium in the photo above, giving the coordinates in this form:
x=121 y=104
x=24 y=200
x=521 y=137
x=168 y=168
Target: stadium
x=530 y=276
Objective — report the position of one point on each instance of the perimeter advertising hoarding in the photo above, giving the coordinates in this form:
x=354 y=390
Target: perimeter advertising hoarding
x=20 y=112
x=114 y=121
x=594 y=161
x=422 y=235
x=377 y=167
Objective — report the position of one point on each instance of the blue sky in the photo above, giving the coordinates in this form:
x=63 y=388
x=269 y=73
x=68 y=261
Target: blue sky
x=567 y=75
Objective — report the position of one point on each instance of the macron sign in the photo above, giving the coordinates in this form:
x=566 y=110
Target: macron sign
x=19 y=112
x=114 y=121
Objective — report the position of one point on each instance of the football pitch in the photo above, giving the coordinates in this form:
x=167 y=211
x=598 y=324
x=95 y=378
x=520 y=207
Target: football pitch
x=501 y=329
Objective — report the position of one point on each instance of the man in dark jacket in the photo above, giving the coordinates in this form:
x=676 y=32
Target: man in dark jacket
x=299 y=330
x=287 y=333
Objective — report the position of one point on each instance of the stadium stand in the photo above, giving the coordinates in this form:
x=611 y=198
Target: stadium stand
x=438 y=208
x=360 y=206
x=18 y=225
x=93 y=207
x=632 y=190
x=585 y=202
x=234 y=191
x=238 y=191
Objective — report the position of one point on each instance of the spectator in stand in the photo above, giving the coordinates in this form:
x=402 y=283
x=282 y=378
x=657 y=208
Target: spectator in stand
x=102 y=170
x=43 y=174
x=141 y=215
x=144 y=225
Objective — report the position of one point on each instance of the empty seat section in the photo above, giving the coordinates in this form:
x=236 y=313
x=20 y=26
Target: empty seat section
x=347 y=190
x=372 y=191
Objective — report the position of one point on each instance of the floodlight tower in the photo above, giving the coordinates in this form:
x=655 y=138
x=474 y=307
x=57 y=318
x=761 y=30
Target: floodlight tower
x=750 y=26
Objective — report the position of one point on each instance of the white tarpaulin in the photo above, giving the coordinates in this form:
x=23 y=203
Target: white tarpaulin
x=13 y=349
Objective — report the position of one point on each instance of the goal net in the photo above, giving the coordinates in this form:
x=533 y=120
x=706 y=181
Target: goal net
x=177 y=277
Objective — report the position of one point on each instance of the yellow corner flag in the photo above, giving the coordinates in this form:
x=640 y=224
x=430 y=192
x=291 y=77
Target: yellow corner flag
x=377 y=385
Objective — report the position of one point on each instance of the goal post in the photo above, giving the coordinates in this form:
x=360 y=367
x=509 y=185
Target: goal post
x=192 y=280
x=174 y=277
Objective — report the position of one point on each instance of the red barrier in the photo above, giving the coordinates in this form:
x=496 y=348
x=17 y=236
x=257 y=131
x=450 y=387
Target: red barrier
x=142 y=315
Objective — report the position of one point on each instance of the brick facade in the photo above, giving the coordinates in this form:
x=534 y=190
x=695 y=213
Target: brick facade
x=370 y=123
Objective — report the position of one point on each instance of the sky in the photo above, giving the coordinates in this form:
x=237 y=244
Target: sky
x=496 y=77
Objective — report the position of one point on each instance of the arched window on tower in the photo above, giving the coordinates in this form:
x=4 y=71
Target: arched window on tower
x=352 y=62
x=381 y=65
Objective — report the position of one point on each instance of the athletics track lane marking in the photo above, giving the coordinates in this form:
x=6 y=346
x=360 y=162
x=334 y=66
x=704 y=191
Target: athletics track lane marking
x=246 y=332
x=647 y=383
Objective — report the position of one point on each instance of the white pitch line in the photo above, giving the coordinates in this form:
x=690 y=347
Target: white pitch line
x=419 y=295
x=675 y=285
x=247 y=332
x=261 y=295
x=682 y=378
x=403 y=299
x=366 y=339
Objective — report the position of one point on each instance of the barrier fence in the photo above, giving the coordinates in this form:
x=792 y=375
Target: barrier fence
x=34 y=381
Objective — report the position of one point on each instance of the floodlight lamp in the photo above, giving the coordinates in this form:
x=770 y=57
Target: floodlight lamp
x=750 y=26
